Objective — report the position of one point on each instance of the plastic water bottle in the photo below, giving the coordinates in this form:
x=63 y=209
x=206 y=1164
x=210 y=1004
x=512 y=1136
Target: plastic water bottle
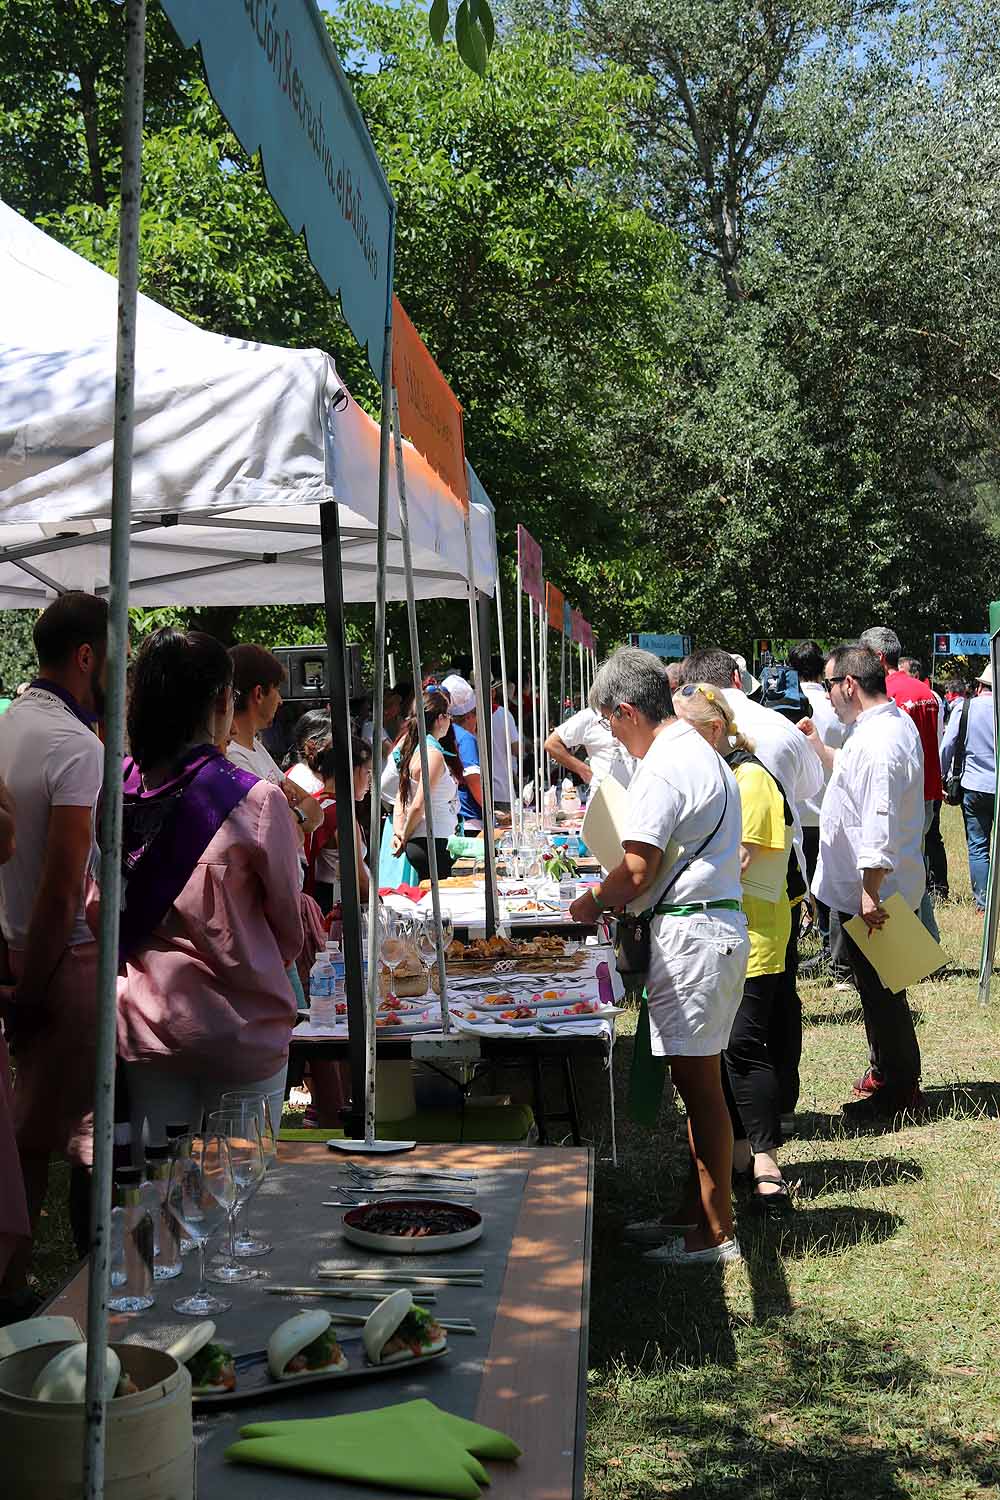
x=322 y=993
x=166 y=1246
x=567 y=894
x=135 y=1292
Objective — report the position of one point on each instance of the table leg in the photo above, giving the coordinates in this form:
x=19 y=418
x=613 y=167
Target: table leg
x=538 y=1086
x=569 y=1083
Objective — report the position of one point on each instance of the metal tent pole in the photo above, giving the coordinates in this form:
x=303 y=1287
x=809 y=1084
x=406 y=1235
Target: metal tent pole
x=569 y=669
x=519 y=825
x=378 y=695
x=95 y=1425
x=562 y=674
x=535 y=725
x=993 y=878
x=336 y=673
x=503 y=678
x=492 y=899
x=425 y=778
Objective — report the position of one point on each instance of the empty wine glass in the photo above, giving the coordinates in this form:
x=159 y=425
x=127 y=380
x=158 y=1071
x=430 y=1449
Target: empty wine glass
x=396 y=932
x=257 y=1111
x=246 y=1158
x=199 y=1192
x=426 y=938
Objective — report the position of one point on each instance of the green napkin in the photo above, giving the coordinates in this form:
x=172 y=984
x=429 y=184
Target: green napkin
x=645 y=1084
x=412 y=1446
x=460 y=847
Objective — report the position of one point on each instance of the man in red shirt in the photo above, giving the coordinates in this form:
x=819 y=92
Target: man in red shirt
x=916 y=699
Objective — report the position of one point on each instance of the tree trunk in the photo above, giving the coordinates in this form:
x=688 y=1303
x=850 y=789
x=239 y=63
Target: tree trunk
x=87 y=74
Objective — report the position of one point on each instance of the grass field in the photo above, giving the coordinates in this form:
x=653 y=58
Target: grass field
x=852 y=1356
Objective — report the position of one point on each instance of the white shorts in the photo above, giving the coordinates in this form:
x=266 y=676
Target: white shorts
x=697 y=965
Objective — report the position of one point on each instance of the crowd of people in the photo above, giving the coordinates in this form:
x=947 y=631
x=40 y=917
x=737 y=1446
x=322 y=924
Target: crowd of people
x=744 y=821
x=740 y=818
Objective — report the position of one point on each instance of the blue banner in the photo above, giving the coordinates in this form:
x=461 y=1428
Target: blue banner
x=961 y=643
x=273 y=72
x=670 y=647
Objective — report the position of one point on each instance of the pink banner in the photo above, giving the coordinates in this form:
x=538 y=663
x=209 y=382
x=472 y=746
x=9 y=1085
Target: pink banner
x=529 y=555
x=577 y=626
x=587 y=637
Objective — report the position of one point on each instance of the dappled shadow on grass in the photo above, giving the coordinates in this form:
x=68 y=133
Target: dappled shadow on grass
x=840 y=1175
x=850 y=1016
x=965 y=1101
x=792 y=1422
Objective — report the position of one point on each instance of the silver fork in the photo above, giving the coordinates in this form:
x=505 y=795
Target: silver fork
x=372 y=1174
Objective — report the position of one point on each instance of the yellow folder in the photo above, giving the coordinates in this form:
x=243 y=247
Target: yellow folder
x=604 y=822
x=903 y=951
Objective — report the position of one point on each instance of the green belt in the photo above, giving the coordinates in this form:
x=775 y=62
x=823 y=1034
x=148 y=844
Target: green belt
x=696 y=906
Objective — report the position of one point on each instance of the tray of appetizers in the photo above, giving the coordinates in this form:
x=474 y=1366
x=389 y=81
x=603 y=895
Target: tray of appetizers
x=305 y=1350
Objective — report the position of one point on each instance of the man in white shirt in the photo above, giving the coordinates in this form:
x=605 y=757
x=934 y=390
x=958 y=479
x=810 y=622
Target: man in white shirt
x=605 y=756
x=502 y=792
x=871 y=833
x=257 y=681
x=52 y=761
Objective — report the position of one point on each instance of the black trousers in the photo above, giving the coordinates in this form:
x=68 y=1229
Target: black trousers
x=784 y=1037
x=749 y=1080
x=416 y=853
x=892 y=1040
x=935 y=856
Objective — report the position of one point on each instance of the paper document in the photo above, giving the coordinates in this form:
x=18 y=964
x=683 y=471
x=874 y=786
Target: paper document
x=903 y=951
x=604 y=822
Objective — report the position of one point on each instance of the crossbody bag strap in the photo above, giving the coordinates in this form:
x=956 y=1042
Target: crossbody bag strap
x=697 y=853
x=958 y=762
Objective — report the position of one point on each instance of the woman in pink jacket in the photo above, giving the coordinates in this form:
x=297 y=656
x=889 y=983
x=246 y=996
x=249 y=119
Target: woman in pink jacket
x=211 y=912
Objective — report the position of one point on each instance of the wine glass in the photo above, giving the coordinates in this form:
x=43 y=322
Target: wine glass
x=447 y=930
x=199 y=1191
x=239 y=1127
x=257 y=1110
x=426 y=936
x=396 y=931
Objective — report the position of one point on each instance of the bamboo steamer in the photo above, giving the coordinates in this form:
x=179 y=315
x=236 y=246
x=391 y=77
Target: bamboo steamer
x=150 y=1443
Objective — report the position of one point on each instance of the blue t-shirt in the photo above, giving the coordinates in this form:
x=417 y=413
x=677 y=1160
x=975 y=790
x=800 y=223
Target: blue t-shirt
x=468 y=754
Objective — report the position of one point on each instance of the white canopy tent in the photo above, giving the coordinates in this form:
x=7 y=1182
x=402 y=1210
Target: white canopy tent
x=236 y=446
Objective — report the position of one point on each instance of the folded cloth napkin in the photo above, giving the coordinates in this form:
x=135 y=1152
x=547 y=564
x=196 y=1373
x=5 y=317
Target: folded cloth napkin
x=413 y=1446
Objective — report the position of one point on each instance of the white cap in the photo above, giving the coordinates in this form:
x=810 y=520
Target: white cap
x=463 y=699
x=986 y=675
x=748 y=681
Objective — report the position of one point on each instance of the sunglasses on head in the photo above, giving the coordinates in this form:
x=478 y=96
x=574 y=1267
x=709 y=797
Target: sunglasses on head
x=690 y=688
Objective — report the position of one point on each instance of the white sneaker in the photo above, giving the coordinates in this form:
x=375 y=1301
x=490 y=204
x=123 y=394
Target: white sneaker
x=675 y=1254
x=655 y=1231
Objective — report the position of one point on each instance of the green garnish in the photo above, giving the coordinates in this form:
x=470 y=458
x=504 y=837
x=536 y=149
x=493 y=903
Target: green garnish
x=322 y=1351
x=207 y=1365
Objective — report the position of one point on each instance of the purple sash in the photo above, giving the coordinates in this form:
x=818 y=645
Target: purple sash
x=166 y=830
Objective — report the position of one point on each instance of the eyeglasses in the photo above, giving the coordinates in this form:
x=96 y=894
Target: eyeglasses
x=828 y=683
x=605 y=719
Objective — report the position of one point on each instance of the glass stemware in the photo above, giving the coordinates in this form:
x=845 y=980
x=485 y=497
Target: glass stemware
x=397 y=929
x=426 y=938
x=199 y=1191
x=257 y=1108
x=239 y=1127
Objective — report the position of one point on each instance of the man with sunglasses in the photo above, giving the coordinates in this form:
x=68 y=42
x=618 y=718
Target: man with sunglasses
x=870 y=838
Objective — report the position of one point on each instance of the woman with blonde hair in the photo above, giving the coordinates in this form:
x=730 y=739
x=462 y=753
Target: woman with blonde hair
x=749 y=1077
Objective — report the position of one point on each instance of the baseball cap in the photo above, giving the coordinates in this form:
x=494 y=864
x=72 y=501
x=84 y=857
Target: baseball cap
x=463 y=699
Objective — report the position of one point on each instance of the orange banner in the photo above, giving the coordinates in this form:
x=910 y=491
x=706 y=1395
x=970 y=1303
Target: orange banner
x=554 y=606
x=429 y=414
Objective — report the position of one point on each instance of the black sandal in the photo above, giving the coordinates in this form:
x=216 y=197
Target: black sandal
x=773 y=1203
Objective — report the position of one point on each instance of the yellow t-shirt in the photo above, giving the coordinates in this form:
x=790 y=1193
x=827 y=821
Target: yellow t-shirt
x=769 y=922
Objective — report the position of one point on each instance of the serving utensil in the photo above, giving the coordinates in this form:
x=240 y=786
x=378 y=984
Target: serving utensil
x=453 y=1325
x=344 y=1294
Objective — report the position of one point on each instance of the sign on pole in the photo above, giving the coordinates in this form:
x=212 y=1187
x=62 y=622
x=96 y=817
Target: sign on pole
x=429 y=412
x=567 y=626
x=587 y=636
x=554 y=606
x=961 y=643
x=529 y=556
x=576 y=626
x=276 y=77
x=669 y=647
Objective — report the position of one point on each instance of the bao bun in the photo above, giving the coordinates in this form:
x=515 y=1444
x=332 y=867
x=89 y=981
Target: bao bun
x=291 y=1337
x=64 y=1378
x=192 y=1341
x=384 y=1322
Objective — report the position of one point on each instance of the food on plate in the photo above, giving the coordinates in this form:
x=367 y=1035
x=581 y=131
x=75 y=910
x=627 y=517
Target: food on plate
x=398 y=1330
x=500 y=999
x=520 y=1013
x=209 y=1364
x=64 y=1377
x=455 y=951
x=581 y=1008
x=411 y=1221
x=304 y=1345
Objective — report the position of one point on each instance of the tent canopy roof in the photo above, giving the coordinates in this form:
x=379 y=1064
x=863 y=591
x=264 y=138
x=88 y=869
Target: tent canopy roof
x=236 y=446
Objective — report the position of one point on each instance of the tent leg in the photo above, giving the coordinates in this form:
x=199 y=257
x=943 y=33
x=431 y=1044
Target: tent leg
x=340 y=711
x=425 y=778
x=95 y=1426
x=504 y=696
x=492 y=902
x=519 y=824
x=483 y=622
x=535 y=725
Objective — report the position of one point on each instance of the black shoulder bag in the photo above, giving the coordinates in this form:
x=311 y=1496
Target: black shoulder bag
x=633 y=938
x=953 y=786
